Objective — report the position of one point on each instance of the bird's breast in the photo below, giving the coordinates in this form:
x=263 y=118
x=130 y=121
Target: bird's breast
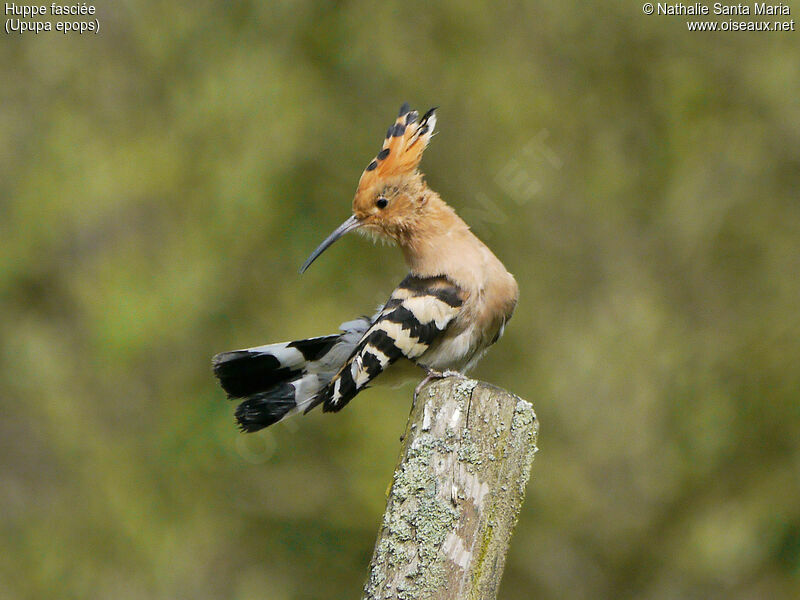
x=479 y=324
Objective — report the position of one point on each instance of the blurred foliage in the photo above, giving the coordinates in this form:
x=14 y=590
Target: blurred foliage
x=161 y=183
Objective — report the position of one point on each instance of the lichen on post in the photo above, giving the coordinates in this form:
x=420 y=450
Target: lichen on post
x=456 y=494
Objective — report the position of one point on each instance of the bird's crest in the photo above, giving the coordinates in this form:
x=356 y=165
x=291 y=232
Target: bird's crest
x=402 y=150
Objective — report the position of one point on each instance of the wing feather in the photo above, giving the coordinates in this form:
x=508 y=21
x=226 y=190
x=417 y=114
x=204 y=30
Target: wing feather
x=418 y=311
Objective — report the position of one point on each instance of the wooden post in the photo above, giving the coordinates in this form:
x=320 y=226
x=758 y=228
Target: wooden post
x=456 y=494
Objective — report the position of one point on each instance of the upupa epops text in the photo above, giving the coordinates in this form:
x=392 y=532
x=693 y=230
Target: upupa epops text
x=454 y=303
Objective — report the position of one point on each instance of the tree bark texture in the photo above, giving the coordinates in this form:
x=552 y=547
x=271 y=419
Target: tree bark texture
x=456 y=495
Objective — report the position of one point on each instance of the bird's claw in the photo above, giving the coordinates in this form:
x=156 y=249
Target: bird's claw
x=431 y=375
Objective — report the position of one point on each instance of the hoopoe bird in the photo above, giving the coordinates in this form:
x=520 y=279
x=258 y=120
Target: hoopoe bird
x=454 y=303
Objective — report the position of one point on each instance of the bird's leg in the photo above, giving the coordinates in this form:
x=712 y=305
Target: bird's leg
x=429 y=376
x=433 y=374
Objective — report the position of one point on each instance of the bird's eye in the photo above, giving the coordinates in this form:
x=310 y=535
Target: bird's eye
x=381 y=202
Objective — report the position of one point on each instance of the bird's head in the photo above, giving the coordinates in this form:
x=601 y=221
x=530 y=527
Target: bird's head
x=391 y=198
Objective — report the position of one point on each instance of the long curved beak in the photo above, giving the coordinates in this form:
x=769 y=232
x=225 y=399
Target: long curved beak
x=349 y=225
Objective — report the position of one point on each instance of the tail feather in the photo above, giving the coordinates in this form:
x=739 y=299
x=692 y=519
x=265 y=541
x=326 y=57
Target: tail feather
x=289 y=398
x=243 y=373
x=265 y=408
x=278 y=380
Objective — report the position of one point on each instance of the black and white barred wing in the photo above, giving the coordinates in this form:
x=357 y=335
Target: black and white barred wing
x=417 y=313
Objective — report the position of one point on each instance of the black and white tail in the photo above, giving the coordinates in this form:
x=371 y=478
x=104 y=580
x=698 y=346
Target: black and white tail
x=279 y=380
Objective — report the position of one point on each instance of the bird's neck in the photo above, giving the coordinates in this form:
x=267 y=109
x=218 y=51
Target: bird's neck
x=442 y=244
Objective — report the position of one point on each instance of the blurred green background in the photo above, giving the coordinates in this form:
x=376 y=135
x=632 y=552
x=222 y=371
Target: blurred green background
x=161 y=183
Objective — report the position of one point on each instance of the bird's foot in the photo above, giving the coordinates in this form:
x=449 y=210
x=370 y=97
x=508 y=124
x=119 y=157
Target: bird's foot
x=431 y=375
x=450 y=373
